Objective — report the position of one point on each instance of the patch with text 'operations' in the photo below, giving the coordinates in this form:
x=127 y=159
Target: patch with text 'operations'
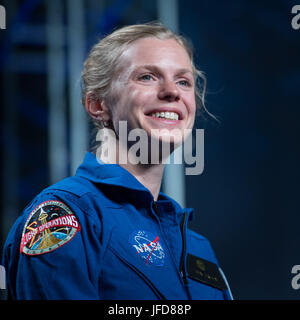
x=205 y=271
x=49 y=226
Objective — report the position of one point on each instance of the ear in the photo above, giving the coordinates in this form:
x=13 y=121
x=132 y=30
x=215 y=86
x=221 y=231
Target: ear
x=96 y=108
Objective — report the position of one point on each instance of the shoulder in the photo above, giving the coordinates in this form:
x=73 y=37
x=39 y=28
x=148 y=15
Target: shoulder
x=74 y=186
x=60 y=210
x=53 y=231
x=66 y=196
x=195 y=236
x=199 y=245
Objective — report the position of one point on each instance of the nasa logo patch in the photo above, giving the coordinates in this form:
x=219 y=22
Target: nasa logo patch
x=49 y=226
x=147 y=246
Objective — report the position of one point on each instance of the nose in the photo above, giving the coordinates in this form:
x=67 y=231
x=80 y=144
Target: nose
x=168 y=91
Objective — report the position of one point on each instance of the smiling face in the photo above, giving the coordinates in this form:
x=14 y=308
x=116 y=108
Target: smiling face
x=154 y=88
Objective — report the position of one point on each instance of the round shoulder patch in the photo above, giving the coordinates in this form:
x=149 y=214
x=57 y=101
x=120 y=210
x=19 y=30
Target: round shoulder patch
x=49 y=226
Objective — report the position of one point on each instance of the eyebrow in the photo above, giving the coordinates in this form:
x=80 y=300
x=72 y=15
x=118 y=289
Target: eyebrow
x=157 y=69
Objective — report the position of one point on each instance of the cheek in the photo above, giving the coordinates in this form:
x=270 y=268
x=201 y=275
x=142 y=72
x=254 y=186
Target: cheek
x=136 y=99
x=190 y=102
x=140 y=96
x=127 y=103
x=129 y=100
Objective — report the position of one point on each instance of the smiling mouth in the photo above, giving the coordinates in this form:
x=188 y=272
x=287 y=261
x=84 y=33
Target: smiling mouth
x=165 y=115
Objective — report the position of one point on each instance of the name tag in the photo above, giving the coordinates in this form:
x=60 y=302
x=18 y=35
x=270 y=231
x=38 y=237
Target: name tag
x=205 y=271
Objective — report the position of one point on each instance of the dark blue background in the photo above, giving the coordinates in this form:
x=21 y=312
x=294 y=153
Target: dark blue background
x=248 y=195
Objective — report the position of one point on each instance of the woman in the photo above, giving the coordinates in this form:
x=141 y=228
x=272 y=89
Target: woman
x=107 y=232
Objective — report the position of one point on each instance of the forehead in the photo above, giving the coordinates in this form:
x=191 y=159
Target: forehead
x=152 y=51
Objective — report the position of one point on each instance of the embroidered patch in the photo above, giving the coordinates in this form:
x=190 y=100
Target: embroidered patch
x=148 y=247
x=49 y=226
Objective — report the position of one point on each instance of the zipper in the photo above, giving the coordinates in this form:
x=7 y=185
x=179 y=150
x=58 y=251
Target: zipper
x=183 y=229
x=182 y=264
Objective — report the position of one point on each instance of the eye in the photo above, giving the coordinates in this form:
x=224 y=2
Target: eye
x=146 y=77
x=184 y=83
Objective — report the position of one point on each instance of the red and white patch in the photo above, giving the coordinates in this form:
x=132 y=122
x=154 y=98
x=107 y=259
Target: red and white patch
x=49 y=226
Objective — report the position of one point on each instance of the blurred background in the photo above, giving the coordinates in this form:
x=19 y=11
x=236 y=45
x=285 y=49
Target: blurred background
x=247 y=198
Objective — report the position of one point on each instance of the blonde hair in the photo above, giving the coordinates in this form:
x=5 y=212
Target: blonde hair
x=101 y=65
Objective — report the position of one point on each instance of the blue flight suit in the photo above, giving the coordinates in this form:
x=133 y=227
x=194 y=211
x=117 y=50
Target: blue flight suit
x=101 y=235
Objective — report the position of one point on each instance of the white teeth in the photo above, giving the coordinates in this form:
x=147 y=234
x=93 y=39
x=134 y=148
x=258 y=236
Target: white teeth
x=166 y=115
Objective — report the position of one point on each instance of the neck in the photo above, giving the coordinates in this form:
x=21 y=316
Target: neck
x=149 y=175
